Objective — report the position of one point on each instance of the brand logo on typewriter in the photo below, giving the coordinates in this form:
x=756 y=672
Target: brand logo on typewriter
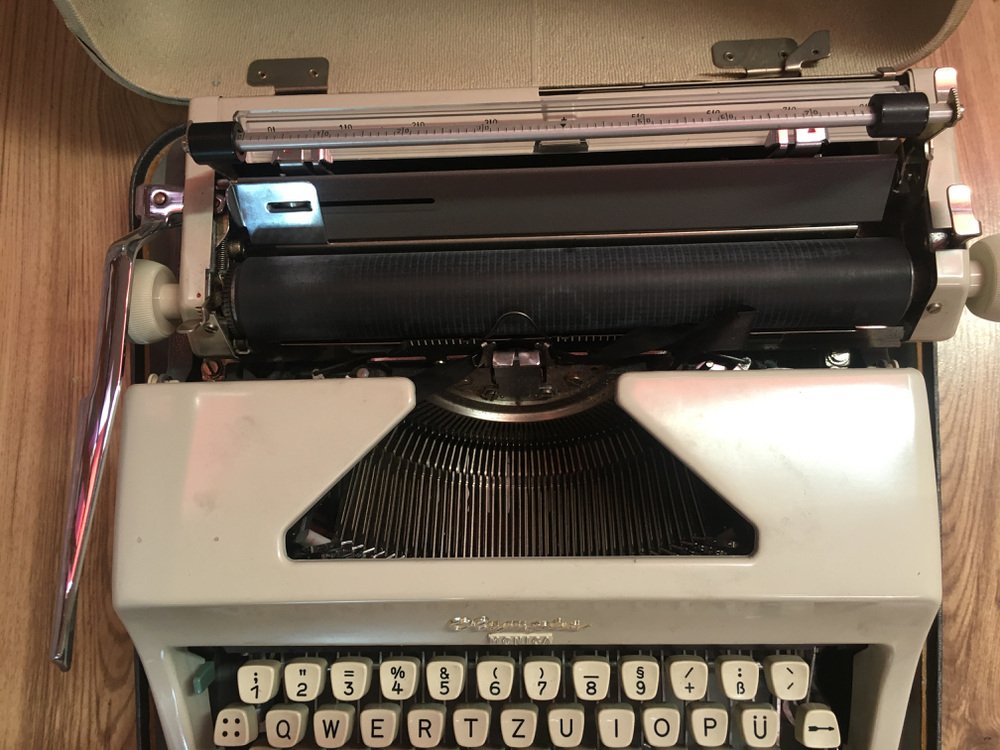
x=516 y=632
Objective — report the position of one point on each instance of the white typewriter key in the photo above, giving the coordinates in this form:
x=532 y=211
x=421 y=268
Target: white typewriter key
x=333 y=724
x=591 y=678
x=542 y=677
x=816 y=726
x=616 y=725
x=565 y=725
x=661 y=725
x=471 y=724
x=739 y=677
x=305 y=679
x=640 y=676
x=495 y=678
x=259 y=680
x=236 y=725
x=787 y=677
x=759 y=725
x=399 y=677
x=445 y=678
x=379 y=724
x=285 y=724
x=425 y=725
x=518 y=724
x=351 y=678
x=708 y=724
x=688 y=677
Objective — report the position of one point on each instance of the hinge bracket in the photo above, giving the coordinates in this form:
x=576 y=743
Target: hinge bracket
x=291 y=75
x=777 y=58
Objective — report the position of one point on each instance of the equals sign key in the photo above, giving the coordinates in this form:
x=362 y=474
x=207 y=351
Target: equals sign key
x=351 y=678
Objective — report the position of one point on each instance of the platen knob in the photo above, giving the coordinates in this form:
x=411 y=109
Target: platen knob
x=984 y=290
x=154 y=309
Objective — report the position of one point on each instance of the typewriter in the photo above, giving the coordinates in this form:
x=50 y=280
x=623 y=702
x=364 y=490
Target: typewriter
x=552 y=416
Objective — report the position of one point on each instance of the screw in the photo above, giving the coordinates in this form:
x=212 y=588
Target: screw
x=362 y=372
x=313 y=72
x=220 y=204
x=934 y=308
x=729 y=56
x=546 y=391
x=574 y=379
x=262 y=74
x=160 y=198
x=210 y=327
x=489 y=394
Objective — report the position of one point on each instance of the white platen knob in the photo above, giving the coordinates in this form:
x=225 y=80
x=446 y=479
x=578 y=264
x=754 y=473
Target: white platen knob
x=984 y=290
x=154 y=309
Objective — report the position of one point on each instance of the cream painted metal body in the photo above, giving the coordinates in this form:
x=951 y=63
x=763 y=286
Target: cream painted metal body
x=834 y=468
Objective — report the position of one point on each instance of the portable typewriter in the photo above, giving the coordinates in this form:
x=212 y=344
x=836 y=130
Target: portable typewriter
x=526 y=413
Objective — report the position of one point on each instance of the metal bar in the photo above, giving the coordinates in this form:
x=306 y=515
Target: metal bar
x=611 y=126
x=96 y=418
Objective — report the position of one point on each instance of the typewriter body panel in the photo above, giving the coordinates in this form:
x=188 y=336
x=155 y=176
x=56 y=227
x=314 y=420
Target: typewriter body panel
x=581 y=363
x=840 y=558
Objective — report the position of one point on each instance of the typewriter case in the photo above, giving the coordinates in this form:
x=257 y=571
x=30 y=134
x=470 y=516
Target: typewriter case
x=176 y=52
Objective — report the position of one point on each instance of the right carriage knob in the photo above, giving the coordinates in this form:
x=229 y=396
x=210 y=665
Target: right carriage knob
x=984 y=289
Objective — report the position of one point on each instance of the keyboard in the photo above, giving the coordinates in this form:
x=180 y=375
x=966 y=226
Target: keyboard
x=525 y=698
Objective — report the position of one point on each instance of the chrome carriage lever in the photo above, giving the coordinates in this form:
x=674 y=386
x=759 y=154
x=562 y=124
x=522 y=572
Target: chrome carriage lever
x=160 y=209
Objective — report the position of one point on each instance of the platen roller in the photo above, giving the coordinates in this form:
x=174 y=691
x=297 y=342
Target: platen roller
x=792 y=285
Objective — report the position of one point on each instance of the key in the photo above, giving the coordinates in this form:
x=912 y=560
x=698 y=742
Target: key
x=542 y=676
x=708 y=724
x=399 y=677
x=816 y=726
x=495 y=678
x=333 y=724
x=445 y=678
x=236 y=725
x=518 y=724
x=379 y=724
x=616 y=725
x=565 y=725
x=259 y=680
x=471 y=724
x=739 y=677
x=759 y=725
x=688 y=677
x=285 y=724
x=661 y=724
x=351 y=678
x=591 y=678
x=305 y=679
x=425 y=725
x=640 y=676
x=787 y=677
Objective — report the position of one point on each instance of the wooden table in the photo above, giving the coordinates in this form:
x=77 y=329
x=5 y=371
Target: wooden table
x=69 y=138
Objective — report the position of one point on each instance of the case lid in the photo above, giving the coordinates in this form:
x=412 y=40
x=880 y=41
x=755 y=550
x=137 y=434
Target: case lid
x=184 y=48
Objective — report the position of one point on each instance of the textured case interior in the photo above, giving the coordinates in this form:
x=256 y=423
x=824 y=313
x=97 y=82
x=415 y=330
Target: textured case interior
x=177 y=50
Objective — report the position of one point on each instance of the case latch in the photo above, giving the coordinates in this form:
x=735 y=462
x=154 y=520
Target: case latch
x=771 y=57
x=291 y=75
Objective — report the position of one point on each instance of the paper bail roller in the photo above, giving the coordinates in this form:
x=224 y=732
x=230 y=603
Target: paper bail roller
x=793 y=285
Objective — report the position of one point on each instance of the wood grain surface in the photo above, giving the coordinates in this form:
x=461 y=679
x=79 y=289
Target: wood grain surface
x=69 y=137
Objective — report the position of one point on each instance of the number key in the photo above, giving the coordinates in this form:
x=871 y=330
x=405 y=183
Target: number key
x=591 y=678
x=640 y=677
x=495 y=678
x=258 y=680
x=542 y=677
x=445 y=678
x=351 y=678
x=399 y=677
x=305 y=679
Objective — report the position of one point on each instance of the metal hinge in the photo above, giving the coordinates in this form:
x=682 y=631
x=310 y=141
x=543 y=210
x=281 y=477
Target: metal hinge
x=771 y=57
x=291 y=75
